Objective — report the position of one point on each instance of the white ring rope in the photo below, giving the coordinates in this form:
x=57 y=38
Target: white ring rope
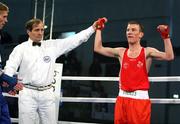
x=110 y=100
x=152 y=79
x=16 y=120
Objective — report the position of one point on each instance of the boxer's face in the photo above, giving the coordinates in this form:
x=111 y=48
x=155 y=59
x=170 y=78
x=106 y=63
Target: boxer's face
x=3 y=18
x=37 y=32
x=133 y=33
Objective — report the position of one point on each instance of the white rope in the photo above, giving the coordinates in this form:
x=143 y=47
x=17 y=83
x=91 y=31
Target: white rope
x=152 y=79
x=112 y=100
x=6 y=94
x=108 y=100
x=15 y=120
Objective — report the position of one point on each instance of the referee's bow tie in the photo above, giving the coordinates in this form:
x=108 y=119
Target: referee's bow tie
x=36 y=44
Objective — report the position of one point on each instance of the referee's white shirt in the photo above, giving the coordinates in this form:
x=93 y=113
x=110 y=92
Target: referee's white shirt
x=36 y=64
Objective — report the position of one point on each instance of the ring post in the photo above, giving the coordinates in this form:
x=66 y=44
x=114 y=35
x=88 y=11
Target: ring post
x=57 y=85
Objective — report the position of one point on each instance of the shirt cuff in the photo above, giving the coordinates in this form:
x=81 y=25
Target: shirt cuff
x=91 y=29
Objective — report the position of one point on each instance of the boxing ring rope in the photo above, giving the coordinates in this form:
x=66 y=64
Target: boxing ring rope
x=112 y=100
x=152 y=79
x=164 y=79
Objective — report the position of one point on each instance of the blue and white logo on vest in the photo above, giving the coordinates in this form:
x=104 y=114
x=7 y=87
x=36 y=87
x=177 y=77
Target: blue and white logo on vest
x=47 y=59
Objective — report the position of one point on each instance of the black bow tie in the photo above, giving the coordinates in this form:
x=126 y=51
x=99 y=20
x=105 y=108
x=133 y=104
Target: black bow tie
x=36 y=44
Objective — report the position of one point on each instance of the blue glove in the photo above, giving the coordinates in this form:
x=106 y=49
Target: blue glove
x=11 y=81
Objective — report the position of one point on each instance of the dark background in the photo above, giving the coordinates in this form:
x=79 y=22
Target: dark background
x=76 y=15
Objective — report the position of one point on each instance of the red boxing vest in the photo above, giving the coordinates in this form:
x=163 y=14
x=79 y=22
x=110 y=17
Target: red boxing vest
x=133 y=74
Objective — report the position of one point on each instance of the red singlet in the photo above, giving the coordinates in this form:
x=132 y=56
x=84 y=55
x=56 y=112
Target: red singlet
x=133 y=74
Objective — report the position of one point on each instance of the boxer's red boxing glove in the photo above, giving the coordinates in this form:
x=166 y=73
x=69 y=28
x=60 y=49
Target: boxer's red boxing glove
x=164 y=32
x=100 y=23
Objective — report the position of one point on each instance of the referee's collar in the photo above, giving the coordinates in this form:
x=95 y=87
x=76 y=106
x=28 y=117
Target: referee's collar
x=31 y=41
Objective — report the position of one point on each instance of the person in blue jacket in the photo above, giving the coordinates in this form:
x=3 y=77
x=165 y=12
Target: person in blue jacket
x=7 y=83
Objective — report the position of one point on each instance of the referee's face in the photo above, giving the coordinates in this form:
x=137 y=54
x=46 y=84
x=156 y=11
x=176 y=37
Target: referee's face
x=37 y=32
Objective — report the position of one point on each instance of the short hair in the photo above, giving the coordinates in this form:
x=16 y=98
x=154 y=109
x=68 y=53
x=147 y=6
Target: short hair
x=137 y=23
x=3 y=7
x=29 y=24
